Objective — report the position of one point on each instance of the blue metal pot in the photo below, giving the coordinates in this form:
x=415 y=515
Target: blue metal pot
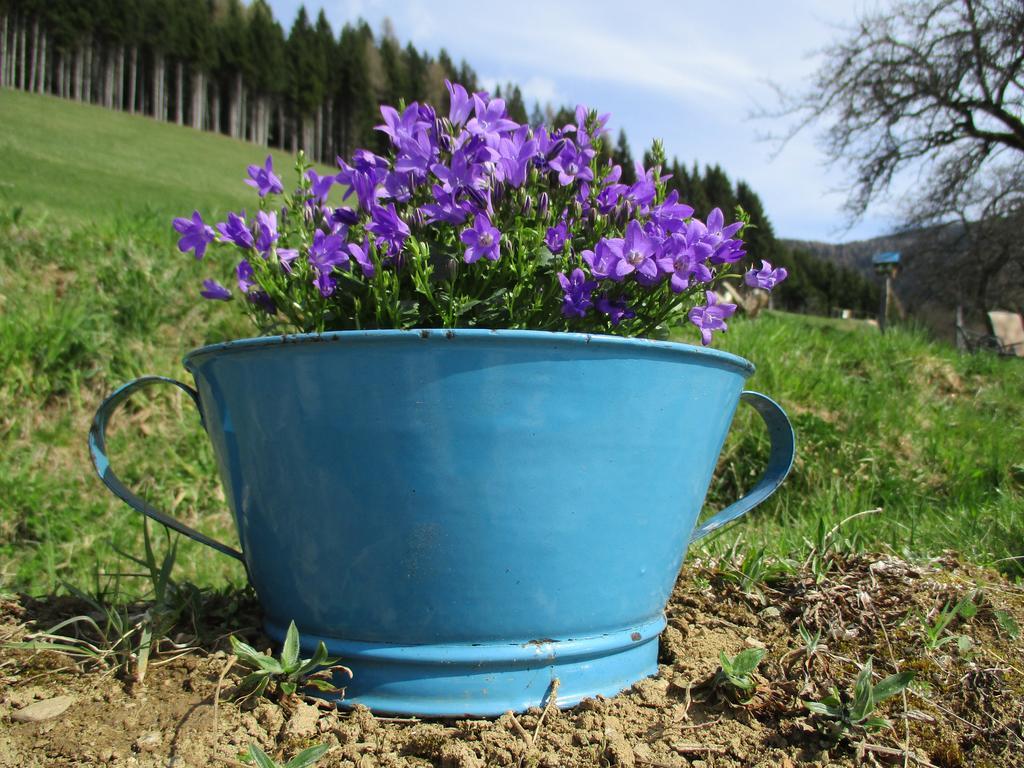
x=464 y=516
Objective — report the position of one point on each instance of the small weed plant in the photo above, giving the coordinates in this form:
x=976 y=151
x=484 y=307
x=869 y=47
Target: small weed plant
x=736 y=677
x=846 y=715
x=753 y=572
x=305 y=758
x=936 y=633
x=287 y=673
x=119 y=637
x=1008 y=625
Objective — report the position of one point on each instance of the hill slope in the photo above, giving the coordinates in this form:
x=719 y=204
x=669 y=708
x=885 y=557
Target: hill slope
x=87 y=163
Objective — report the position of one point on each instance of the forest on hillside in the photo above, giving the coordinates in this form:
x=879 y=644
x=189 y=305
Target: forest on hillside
x=231 y=68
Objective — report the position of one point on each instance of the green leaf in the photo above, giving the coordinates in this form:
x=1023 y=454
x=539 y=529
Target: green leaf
x=253 y=657
x=745 y=662
x=892 y=685
x=260 y=758
x=967 y=608
x=243 y=651
x=1008 y=624
x=875 y=724
x=819 y=708
x=863 y=698
x=290 y=651
x=288 y=686
x=321 y=685
x=251 y=685
x=307 y=756
x=543 y=256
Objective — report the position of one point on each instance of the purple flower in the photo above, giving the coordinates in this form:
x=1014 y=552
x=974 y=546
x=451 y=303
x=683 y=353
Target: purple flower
x=765 y=278
x=482 y=239
x=556 y=236
x=342 y=216
x=601 y=263
x=517 y=154
x=490 y=119
x=412 y=134
x=286 y=256
x=363 y=177
x=671 y=215
x=683 y=256
x=573 y=164
x=446 y=207
x=466 y=168
x=234 y=230
x=635 y=253
x=617 y=310
x=711 y=318
x=727 y=250
x=327 y=252
x=262 y=300
x=214 y=290
x=195 y=235
x=266 y=227
x=264 y=179
x=320 y=185
x=577 y=291
x=361 y=253
x=324 y=283
x=400 y=127
x=399 y=186
x=609 y=197
x=641 y=194
x=460 y=103
x=245 y=276
x=388 y=227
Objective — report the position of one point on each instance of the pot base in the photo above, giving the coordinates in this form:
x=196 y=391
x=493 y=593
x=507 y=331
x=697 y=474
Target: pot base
x=487 y=679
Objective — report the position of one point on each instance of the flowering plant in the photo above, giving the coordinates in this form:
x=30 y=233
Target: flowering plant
x=473 y=220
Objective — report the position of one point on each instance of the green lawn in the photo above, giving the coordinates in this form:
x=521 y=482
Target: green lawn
x=93 y=292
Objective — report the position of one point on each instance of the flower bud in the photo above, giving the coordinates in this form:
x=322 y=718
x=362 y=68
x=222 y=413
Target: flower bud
x=426 y=113
x=555 y=151
x=527 y=207
x=497 y=192
x=475 y=196
x=542 y=205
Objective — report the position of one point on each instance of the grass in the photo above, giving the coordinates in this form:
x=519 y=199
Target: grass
x=85 y=163
x=93 y=292
x=932 y=439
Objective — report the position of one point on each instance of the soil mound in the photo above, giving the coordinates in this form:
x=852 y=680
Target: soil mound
x=955 y=626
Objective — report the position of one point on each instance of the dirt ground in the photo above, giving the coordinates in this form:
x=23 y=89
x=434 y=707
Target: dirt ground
x=964 y=708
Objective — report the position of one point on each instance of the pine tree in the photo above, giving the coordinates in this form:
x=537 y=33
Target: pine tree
x=718 y=188
x=514 y=103
x=760 y=237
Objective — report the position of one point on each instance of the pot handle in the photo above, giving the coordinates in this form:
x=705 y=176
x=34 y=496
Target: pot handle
x=780 y=461
x=98 y=451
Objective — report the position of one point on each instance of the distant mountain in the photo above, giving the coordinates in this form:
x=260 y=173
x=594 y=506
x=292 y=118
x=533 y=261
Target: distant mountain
x=935 y=275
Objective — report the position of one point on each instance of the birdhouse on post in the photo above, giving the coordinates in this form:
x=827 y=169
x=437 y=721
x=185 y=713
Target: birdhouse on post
x=887 y=264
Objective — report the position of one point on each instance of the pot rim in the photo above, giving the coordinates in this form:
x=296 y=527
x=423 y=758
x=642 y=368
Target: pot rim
x=673 y=347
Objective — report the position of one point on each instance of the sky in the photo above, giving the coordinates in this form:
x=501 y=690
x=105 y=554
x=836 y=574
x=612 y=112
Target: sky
x=693 y=74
